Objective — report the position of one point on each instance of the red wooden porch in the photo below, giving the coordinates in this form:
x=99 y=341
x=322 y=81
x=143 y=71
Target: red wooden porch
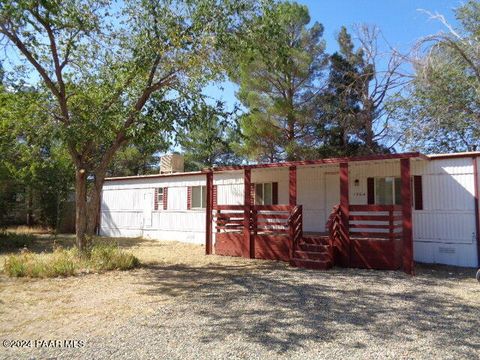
x=360 y=236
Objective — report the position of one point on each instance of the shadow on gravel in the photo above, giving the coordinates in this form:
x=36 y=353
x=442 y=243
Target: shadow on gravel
x=283 y=308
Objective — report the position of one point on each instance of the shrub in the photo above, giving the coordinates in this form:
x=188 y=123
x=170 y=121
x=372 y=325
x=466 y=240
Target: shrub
x=63 y=262
x=110 y=257
x=15 y=265
x=59 y=263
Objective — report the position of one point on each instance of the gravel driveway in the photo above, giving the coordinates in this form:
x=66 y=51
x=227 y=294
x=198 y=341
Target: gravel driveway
x=188 y=306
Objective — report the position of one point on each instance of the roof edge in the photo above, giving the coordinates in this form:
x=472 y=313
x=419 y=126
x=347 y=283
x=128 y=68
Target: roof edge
x=323 y=161
x=155 y=176
x=467 y=154
x=337 y=160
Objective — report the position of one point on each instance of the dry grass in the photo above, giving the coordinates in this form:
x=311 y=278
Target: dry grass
x=34 y=230
x=91 y=302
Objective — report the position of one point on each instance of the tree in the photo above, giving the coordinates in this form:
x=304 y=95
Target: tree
x=134 y=160
x=208 y=136
x=440 y=110
x=34 y=164
x=279 y=69
x=355 y=103
x=115 y=73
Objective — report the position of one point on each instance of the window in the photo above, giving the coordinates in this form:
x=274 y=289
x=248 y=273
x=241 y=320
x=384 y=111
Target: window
x=264 y=194
x=199 y=197
x=388 y=191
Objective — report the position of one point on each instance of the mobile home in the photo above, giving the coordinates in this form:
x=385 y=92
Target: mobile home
x=379 y=211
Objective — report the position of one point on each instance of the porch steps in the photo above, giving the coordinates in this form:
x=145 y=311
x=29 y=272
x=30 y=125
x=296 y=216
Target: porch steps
x=312 y=247
x=313 y=253
x=311 y=264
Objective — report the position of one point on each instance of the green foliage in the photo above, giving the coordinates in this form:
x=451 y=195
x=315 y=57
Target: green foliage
x=59 y=263
x=116 y=73
x=208 y=137
x=68 y=262
x=34 y=164
x=440 y=110
x=110 y=257
x=279 y=67
x=134 y=160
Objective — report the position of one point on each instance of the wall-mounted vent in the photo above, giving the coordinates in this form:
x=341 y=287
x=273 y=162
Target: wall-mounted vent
x=446 y=250
x=172 y=163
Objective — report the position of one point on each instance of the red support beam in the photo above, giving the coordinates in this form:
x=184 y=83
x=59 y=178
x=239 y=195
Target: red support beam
x=344 y=247
x=292 y=185
x=406 y=193
x=248 y=239
x=477 y=214
x=208 y=216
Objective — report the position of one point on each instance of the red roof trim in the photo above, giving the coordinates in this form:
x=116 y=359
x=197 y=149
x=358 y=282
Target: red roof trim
x=285 y=164
x=472 y=154
x=324 y=161
x=191 y=173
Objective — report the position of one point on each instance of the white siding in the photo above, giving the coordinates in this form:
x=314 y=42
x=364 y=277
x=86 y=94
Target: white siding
x=177 y=198
x=127 y=209
x=444 y=231
x=229 y=187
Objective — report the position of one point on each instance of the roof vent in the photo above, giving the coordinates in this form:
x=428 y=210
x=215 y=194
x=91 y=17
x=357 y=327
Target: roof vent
x=172 y=163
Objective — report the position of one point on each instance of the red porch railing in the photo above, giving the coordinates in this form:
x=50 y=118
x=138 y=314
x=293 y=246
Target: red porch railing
x=371 y=237
x=335 y=226
x=274 y=230
x=375 y=221
x=229 y=218
x=295 y=225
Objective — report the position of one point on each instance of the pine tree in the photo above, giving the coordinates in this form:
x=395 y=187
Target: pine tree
x=279 y=69
x=208 y=137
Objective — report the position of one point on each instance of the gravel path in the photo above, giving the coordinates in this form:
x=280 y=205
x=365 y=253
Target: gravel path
x=238 y=309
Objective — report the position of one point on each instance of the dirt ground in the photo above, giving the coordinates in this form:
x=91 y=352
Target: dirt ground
x=183 y=304
x=31 y=308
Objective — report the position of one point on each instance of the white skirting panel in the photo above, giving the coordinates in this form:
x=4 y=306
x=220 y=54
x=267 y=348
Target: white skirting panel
x=449 y=254
x=194 y=237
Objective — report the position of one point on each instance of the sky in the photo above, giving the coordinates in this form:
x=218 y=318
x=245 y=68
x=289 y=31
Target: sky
x=402 y=23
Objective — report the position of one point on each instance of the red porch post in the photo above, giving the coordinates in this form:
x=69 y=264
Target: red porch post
x=408 y=265
x=292 y=185
x=208 y=212
x=344 y=247
x=249 y=240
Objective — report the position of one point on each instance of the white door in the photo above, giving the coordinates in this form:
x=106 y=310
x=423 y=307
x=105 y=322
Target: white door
x=147 y=207
x=332 y=192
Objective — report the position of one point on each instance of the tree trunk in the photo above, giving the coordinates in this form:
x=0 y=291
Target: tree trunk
x=29 y=206
x=93 y=211
x=80 y=207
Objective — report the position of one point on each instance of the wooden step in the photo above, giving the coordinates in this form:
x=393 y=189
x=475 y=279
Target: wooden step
x=313 y=247
x=315 y=240
x=311 y=264
x=312 y=255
